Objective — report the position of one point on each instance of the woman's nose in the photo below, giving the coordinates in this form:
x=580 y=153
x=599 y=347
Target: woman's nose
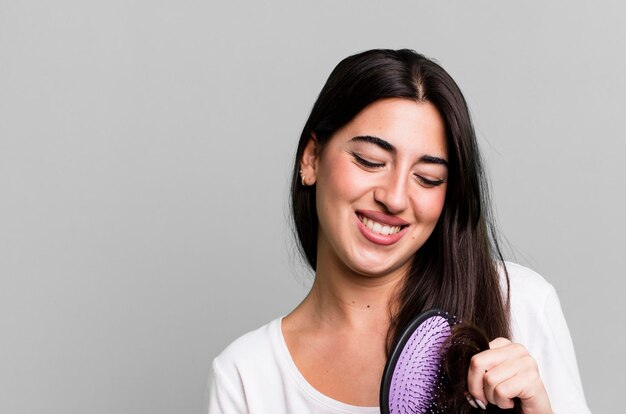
x=392 y=193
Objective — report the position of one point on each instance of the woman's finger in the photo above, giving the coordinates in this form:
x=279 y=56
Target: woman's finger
x=527 y=386
x=499 y=343
x=498 y=375
x=507 y=390
x=481 y=363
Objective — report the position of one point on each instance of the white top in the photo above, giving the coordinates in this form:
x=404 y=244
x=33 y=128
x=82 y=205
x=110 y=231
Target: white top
x=256 y=375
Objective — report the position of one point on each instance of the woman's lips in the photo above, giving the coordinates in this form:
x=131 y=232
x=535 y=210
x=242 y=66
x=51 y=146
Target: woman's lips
x=382 y=218
x=376 y=236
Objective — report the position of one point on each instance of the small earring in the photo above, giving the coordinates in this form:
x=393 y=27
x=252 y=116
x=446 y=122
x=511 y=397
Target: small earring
x=302 y=178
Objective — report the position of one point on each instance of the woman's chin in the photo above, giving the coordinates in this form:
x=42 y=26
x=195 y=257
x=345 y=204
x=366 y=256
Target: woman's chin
x=377 y=268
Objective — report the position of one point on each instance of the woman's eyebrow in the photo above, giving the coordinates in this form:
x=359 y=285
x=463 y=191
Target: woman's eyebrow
x=428 y=159
x=376 y=141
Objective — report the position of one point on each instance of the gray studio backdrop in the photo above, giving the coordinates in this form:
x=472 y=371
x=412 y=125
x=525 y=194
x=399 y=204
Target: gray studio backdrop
x=145 y=148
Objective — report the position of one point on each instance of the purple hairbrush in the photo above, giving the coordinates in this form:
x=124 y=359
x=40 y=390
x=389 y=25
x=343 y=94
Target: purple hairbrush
x=412 y=374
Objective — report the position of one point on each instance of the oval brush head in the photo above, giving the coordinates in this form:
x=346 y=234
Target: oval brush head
x=412 y=375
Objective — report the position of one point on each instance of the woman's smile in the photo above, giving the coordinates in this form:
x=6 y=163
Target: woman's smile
x=380 y=228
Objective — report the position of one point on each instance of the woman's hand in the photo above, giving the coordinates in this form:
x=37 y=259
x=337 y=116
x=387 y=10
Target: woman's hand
x=506 y=371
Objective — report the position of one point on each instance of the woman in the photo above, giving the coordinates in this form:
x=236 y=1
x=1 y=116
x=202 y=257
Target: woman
x=391 y=211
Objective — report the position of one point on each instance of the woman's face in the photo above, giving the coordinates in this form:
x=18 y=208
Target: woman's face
x=380 y=186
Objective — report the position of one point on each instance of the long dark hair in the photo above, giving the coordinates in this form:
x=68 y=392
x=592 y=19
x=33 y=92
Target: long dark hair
x=457 y=267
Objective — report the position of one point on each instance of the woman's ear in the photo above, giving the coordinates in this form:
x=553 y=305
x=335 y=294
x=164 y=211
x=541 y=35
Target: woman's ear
x=310 y=161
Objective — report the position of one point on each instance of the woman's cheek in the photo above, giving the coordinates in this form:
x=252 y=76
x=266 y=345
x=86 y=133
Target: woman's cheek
x=429 y=206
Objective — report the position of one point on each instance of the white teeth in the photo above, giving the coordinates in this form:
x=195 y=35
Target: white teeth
x=378 y=227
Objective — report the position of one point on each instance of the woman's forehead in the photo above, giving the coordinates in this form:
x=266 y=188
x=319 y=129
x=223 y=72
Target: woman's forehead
x=405 y=125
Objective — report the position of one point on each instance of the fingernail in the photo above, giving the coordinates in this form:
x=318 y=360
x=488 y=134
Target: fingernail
x=480 y=404
x=471 y=402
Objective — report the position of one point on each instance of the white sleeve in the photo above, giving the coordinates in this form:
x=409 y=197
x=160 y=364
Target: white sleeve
x=223 y=395
x=554 y=352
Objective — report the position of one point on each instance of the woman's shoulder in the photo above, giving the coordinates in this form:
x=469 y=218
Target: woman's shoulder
x=247 y=375
x=524 y=284
x=249 y=347
x=531 y=298
x=524 y=275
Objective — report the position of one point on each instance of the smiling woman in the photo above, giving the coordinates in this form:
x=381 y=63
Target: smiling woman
x=368 y=186
x=391 y=211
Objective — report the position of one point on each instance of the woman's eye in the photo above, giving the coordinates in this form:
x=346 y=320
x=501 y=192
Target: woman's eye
x=427 y=182
x=367 y=163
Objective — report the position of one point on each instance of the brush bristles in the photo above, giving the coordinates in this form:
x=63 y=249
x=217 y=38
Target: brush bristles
x=416 y=383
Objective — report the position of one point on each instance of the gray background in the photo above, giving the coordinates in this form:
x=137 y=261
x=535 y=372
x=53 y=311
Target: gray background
x=144 y=153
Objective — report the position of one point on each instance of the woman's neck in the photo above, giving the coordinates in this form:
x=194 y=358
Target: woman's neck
x=349 y=301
